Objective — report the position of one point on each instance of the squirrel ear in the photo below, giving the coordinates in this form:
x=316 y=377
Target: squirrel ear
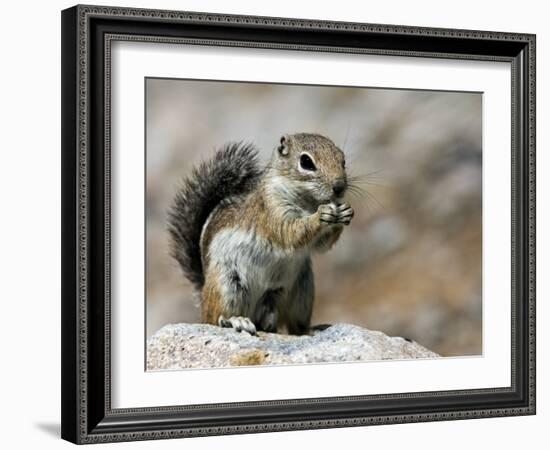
x=283 y=148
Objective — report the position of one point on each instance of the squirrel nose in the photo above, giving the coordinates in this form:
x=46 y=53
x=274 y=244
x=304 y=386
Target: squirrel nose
x=339 y=187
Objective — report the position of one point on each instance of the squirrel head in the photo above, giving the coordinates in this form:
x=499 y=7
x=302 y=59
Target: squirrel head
x=313 y=167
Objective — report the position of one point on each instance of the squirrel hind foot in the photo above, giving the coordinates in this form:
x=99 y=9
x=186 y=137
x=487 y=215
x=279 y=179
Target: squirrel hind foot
x=238 y=323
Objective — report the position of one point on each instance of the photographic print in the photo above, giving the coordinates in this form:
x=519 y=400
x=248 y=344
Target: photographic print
x=299 y=224
x=308 y=200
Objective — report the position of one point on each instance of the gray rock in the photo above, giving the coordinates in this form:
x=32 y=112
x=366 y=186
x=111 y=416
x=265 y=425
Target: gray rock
x=184 y=345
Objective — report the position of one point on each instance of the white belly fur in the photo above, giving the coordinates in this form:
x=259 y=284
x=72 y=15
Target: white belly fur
x=259 y=264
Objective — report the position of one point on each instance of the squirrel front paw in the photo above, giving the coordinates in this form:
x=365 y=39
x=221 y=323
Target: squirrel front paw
x=238 y=324
x=332 y=214
x=345 y=213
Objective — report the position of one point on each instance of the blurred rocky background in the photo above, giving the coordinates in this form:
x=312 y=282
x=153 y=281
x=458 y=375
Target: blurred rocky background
x=410 y=262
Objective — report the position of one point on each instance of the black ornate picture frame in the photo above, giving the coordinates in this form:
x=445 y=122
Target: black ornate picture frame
x=87 y=35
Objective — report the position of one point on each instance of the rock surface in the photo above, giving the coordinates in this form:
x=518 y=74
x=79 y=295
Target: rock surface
x=183 y=345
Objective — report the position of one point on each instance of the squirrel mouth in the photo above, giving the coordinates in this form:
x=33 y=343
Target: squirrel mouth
x=337 y=199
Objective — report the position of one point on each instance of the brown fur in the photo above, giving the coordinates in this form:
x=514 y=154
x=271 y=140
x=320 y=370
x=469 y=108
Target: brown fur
x=211 y=302
x=290 y=224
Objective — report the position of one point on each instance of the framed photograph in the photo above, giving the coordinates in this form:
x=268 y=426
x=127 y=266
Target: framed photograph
x=280 y=224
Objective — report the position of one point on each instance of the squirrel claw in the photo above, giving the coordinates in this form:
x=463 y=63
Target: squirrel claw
x=332 y=214
x=345 y=213
x=238 y=324
x=328 y=214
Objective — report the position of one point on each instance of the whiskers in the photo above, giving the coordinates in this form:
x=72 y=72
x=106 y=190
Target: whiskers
x=368 y=178
x=358 y=187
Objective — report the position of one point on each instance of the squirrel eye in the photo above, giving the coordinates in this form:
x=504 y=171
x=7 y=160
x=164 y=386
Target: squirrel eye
x=306 y=163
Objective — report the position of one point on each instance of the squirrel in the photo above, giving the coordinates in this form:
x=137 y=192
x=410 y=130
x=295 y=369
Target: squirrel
x=244 y=236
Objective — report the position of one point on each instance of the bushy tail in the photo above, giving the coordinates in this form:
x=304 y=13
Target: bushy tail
x=232 y=171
